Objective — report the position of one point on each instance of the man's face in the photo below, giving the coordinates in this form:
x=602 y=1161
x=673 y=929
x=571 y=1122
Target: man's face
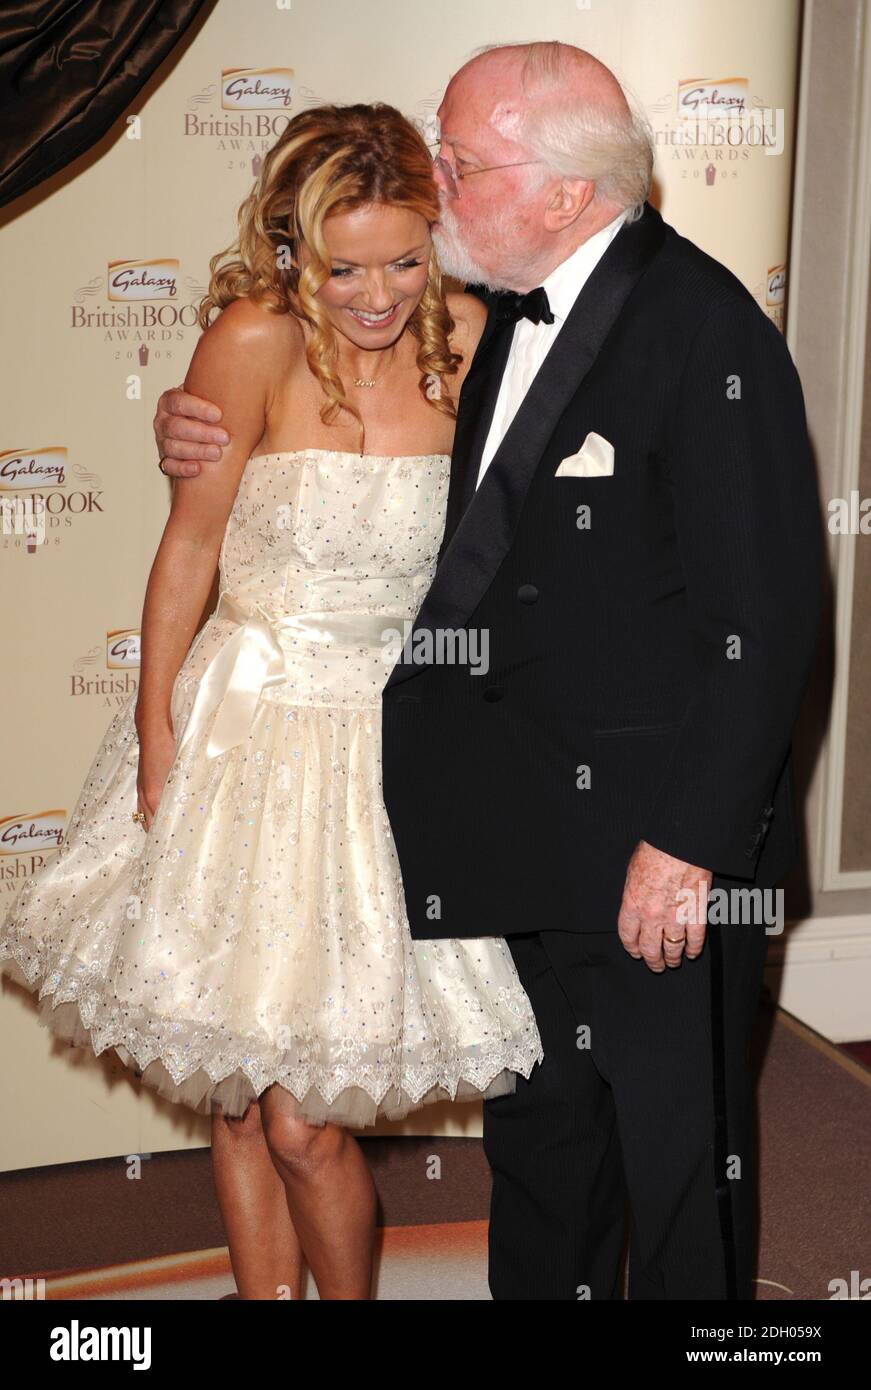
x=493 y=230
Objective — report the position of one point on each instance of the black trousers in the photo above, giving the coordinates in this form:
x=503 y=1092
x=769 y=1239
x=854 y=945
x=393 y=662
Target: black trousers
x=644 y=1099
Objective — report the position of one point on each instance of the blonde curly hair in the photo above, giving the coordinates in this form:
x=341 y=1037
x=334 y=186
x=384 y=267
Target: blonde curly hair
x=333 y=159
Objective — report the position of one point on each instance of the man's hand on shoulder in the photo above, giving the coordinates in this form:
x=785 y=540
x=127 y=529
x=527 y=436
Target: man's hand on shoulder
x=187 y=430
x=664 y=909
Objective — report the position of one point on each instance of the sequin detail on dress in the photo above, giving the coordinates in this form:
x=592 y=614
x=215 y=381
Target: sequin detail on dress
x=257 y=934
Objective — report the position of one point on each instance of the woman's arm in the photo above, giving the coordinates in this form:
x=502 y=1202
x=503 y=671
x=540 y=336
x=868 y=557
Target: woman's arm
x=233 y=365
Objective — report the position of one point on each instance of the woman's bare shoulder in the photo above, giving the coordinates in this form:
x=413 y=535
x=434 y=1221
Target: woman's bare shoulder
x=248 y=323
x=239 y=361
x=469 y=315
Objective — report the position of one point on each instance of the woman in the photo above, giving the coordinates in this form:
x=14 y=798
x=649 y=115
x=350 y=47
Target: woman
x=249 y=953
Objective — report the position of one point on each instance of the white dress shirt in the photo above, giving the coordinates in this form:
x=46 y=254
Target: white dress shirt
x=532 y=341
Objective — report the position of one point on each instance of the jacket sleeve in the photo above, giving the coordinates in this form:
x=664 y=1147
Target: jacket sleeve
x=749 y=533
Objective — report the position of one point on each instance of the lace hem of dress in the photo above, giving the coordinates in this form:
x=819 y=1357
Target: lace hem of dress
x=206 y=1068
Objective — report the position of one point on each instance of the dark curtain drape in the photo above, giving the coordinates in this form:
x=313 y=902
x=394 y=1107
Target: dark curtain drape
x=68 y=69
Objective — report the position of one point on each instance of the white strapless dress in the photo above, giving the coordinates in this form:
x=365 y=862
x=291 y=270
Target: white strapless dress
x=257 y=933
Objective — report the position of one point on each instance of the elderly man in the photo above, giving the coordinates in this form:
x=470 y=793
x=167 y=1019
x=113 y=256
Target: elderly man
x=633 y=521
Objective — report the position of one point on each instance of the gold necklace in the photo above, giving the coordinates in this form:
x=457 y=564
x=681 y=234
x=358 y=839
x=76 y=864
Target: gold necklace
x=373 y=381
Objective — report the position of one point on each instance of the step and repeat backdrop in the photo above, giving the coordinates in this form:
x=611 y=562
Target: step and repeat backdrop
x=104 y=266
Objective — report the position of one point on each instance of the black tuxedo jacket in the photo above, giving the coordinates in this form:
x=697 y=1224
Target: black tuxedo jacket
x=650 y=633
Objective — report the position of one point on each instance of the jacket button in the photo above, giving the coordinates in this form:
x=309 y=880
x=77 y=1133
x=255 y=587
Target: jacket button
x=493 y=693
x=527 y=593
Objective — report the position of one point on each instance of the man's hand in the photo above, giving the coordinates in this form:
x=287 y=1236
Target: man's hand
x=658 y=919
x=185 y=430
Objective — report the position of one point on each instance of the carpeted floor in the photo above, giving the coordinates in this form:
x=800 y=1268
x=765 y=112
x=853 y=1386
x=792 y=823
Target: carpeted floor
x=90 y=1231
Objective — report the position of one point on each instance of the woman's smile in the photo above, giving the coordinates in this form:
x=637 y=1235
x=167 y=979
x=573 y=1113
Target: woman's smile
x=370 y=318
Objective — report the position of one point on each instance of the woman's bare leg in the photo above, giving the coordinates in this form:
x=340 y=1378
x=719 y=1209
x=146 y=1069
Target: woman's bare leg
x=330 y=1194
x=264 y=1249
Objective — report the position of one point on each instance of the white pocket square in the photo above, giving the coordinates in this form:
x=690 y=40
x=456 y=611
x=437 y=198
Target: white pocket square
x=594 y=459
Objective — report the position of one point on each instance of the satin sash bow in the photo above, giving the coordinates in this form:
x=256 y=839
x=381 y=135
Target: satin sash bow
x=253 y=658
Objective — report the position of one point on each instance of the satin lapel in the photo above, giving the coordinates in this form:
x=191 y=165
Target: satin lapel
x=485 y=530
x=474 y=413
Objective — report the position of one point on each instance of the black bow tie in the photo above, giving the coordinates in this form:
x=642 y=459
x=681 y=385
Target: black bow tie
x=511 y=306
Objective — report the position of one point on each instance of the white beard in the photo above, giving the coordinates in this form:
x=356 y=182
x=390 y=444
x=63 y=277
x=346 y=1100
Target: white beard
x=456 y=261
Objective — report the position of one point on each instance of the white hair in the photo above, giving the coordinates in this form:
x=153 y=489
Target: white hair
x=495 y=229
x=582 y=139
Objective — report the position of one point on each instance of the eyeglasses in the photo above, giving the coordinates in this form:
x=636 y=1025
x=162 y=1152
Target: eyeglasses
x=453 y=177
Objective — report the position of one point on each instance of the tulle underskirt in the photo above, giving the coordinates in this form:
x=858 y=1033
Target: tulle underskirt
x=353 y=1107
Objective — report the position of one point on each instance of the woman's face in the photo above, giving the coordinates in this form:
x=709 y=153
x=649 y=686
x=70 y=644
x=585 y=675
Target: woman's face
x=380 y=256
